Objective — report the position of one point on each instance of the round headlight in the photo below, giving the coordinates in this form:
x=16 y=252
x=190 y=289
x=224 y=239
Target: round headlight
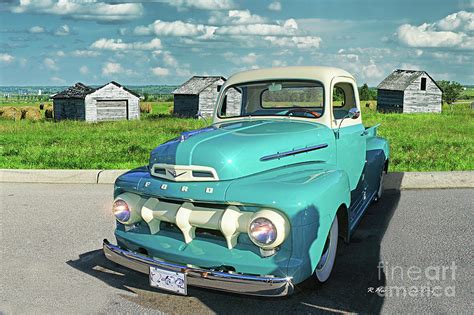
x=121 y=210
x=262 y=231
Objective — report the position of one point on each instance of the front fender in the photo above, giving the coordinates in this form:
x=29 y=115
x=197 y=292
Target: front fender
x=304 y=192
x=309 y=194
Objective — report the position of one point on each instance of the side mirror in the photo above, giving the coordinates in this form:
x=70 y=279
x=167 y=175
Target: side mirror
x=354 y=113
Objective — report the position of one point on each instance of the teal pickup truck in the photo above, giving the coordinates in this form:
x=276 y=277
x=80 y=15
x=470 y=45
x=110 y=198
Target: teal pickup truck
x=255 y=203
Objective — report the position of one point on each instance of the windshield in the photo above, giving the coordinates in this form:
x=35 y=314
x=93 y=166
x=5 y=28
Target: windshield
x=273 y=98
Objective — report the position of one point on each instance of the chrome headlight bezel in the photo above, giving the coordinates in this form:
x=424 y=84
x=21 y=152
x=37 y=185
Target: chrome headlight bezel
x=257 y=223
x=121 y=210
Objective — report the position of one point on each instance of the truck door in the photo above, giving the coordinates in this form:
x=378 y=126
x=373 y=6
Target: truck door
x=350 y=133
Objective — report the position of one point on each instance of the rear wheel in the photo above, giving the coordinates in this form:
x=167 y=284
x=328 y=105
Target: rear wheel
x=326 y=262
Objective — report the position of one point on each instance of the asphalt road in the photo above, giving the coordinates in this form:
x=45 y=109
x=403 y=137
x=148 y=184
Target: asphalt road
x=51 y=260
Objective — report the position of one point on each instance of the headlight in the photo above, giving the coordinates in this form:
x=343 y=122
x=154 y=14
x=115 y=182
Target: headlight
x=262 y=232
x=121 y=210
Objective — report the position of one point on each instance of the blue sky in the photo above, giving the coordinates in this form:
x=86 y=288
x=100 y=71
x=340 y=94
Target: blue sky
x=47 y=42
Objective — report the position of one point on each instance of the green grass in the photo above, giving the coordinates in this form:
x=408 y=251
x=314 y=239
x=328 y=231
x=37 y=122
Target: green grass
x=419 y=142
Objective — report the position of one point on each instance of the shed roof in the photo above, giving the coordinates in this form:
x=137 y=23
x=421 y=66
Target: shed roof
x=120 y=86
x=197 y=84
x=78 y=90
x=400 y=79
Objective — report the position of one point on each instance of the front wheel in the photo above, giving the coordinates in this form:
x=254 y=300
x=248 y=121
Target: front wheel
x=326 y=262
x=379 y=193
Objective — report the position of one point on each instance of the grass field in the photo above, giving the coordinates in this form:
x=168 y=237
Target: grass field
x=419 y=142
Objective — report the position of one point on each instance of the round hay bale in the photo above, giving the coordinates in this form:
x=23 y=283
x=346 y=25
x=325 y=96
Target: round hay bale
x=48 y=113
x=11 y=113
x=41 y=106
x=146 y=108
x=32 y=114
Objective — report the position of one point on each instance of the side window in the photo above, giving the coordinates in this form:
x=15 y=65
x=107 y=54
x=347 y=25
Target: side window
x=343 y=99
x=232 y=104
x=338 y=97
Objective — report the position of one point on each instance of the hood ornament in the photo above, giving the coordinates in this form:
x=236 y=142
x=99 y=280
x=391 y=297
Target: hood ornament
x=174 y=173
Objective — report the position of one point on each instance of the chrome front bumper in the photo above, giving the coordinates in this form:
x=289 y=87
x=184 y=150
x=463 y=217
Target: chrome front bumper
x=204 y=278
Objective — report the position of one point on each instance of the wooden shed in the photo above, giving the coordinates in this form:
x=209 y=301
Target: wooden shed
x=109 y=102
x=199 y=95
x=409 y=91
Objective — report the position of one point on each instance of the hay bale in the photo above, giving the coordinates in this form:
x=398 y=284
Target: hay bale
x=31 y=114
x=41 y=106
x=146 y=108
x=13 y=113
x=48 y=113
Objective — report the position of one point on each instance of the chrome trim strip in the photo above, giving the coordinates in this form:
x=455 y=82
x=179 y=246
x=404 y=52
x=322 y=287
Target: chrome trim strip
x=216 y=280
x=293 y=152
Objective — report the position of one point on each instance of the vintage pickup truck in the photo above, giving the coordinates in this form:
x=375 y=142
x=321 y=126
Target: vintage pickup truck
x=255 y=202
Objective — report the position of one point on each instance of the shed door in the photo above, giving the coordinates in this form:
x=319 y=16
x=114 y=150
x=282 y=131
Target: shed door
x=112 y=110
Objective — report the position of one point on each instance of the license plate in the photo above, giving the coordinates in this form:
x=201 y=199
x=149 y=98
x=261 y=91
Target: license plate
x=168 y=280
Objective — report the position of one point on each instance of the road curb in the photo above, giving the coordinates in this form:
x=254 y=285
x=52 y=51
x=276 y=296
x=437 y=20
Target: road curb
x=399 y=180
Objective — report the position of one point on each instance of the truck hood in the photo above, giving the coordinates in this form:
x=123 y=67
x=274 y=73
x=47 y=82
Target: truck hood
x=244 y=147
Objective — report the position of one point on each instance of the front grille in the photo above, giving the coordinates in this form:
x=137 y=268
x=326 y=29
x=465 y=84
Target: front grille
x=196 y=219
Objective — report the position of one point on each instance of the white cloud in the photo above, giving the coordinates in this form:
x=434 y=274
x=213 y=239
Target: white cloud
x=176 y=28
x=85 y=53
x=302 y=42
x=169 y=60
x=290 y=27
x=278 y=63
x=84 y=70
x=112 y=68
x=6 y=58
x=58 y=80
x=118 y=44
x=63 y=30
x=183 y=72
x=60 y=53
x=36 y=30
x=372 y=71
x=235 y=17
x=409 y=66
x=459 y=21
x=454 y=31
x=275 y=6
x=203 y=4
x=50 y=64
x=250 y=58
x=158 y=71
x=82 y=9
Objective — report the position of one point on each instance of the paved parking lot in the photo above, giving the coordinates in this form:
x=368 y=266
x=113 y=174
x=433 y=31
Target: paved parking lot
x=51 y=259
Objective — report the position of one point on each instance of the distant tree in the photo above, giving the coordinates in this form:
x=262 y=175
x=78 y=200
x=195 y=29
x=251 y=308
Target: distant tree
x=146 y=96
x=364 y=92
x=452 y=90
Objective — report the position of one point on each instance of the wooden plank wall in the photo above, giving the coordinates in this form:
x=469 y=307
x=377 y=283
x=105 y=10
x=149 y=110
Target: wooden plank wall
x=111 y=110
x=112 y=92
x=418 y=101
x=186 y=105
x=69 y=109
x=389 y=101
x=208 y=99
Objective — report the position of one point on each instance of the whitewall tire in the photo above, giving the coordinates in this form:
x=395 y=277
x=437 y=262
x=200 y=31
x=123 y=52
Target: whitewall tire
x=326 y=262
x=379 y=193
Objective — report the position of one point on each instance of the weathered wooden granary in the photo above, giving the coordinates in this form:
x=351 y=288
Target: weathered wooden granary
x=198 y=95
x=109 y=102
x=409 y=91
